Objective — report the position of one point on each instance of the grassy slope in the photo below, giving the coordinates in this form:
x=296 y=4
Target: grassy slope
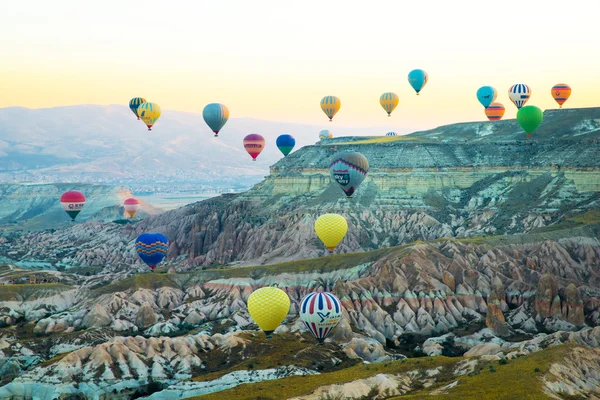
x=30 y=292
x=518 y=379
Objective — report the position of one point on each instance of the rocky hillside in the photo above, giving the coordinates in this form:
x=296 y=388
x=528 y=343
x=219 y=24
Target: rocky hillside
x=471 y=297
x=415 y=190
x=27 y=206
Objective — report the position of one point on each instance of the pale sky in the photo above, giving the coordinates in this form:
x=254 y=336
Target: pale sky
x=275 y=60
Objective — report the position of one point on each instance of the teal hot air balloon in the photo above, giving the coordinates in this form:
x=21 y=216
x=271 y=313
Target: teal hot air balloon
x=215 y=115
x=285 y=143
x=486 y=95
x=418 y=79
x=530 y=117
x=349 y=169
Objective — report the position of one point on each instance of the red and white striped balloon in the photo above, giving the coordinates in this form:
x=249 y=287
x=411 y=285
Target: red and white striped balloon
x=320 y=312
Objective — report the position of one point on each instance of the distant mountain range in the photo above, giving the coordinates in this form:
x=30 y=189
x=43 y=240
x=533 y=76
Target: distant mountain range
x=92 y=143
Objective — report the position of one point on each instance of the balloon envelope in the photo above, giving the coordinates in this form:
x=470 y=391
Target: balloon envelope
x=72 y=202
x=268 y=307
x=349 y=169
x=320 y=312
x=215 y=115
x=330 y=106
x=486 y=95
x=418 y=79
x=530 y=117
x=152 y=248
x=131 y=206
x=389 y=101
x=325 y=134
x=495 y=111
x=285 y=143
x=391 y=134
x=149 y=113
x=254 y=144
x=519 y=94
x=135 y=103
x=561 y=93
x=331 y=229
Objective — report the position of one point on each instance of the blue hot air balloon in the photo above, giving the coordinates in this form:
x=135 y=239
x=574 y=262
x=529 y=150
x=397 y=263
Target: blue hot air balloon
x=285 y=143
x=486 y=95
x=215 y=115
x=152 y=248
x=391 y=134
x=349 y=169
x=418 y=79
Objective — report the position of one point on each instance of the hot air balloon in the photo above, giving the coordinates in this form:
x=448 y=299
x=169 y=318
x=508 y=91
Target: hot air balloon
x=149 y=113
x=268 y=307
x=330 y=106
x=494 y=111
x=561 y=93
x=331 y=229
x=135 y=103
x=325 y=134
x=519 y=94
x=215 y=115
x=152 y=248
x=391 y=134
x=285 y=143
x=72 y=202
x=418 y=79
x=349 y=169
x=254 y=144
x=486 y=95
x=320 y=312
x=131 y=206
x=530 y=117
x=389 y=101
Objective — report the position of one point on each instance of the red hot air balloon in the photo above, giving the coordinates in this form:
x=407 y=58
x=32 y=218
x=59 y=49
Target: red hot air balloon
x=254 y=144
x=131 y=206
x=72 y=202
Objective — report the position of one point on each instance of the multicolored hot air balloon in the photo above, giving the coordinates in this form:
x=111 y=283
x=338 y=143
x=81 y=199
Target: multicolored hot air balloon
x=330 y=106
x=149 y=113
x=135 y=103
x=254 y=144
x=486 y=95
x=268 y=307
x=285 y=143
x=519 y=94
x=530 y=117
x=152 y=248
x=331 y=229
x=349 y=169
x=495 y=111
x=561 y=93
x=215 y=115
x=320 y=312
x=325 y=134
x=389 y=101
x=72 y=202
x=131 y=206
x=418 y=79
x=391 y=134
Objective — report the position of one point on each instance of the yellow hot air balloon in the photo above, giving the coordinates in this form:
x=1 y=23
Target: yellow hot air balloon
x=389 y=101
x=268 y=307
x=331 y=229
x=149 y=113
x=330 y=106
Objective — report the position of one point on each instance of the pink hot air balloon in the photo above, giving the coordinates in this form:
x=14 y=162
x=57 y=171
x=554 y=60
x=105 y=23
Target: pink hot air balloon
x=131 y=206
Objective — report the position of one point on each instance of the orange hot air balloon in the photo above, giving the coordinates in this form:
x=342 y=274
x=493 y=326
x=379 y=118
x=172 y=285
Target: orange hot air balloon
x=495 y=111
x=561 y=93
x=254 y=144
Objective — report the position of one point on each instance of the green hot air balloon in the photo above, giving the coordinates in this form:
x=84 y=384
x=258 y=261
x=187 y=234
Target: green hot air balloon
x=530 y=117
